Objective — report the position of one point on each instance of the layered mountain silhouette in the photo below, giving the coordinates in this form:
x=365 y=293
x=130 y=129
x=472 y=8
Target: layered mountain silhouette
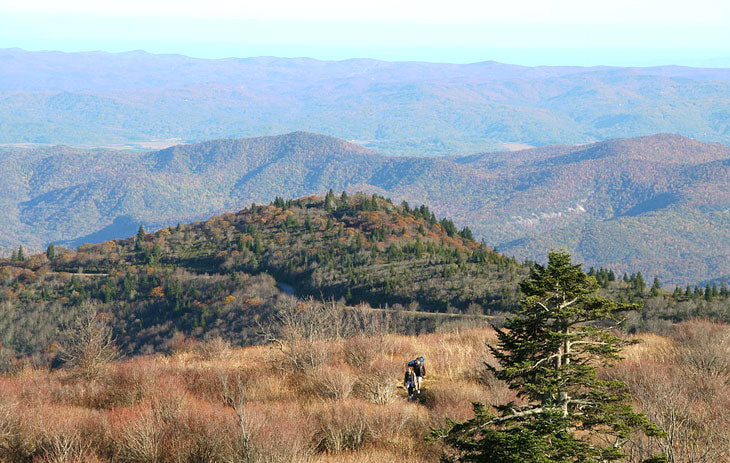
x=92 y=99
x=659 y=204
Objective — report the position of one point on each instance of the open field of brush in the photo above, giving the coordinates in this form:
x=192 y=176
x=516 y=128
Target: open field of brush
x=336 y=401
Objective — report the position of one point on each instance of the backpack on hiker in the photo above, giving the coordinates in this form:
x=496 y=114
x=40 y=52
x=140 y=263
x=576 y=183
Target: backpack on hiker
x=412 y=363
x=420 y=368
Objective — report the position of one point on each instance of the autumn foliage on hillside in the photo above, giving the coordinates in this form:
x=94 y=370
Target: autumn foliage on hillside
x=219 y=277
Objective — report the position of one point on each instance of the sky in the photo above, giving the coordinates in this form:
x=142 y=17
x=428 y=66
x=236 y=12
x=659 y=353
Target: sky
x=529 y=32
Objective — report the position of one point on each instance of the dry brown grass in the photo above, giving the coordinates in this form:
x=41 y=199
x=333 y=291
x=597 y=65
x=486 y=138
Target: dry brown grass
x=681 y=382
x=345 y=404
x=346 y=407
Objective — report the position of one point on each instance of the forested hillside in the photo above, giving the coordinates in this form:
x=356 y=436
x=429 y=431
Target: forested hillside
x=218 y=277
x=656 y=204
x=415 y=108
x=653 y=204
x=226 y=276
x=75 y=196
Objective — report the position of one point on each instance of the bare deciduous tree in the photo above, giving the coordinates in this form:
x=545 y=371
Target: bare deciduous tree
x=233 y=394
x=88 y=341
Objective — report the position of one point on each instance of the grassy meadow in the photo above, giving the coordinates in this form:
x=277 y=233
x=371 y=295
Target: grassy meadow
x=315 y=401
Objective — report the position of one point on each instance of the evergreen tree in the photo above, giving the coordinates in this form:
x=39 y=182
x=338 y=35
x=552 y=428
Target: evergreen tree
x=708 y=292
x=308 y=224
x=549 y=353
x=50 y=251
x=655 y=287
x=466 y=233
x=406 y=207
x=698 y=292
x=141 y=233
x=329 y=200
x=21 y=254
x=448 y=226
x=639 y=283
x=257 y=246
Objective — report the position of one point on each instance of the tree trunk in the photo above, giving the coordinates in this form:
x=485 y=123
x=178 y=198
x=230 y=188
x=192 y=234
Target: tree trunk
x=564 y=397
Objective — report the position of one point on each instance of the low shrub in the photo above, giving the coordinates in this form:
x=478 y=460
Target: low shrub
x=353 y=424
x=378 y=381
x=18 y=438
x=306 y=354
x=704 y=347
x=359 y=351
x=453 y=399
x=277 y=433
x=140 y=439
x=213 y=349
x=344 y=427
x=329 y=382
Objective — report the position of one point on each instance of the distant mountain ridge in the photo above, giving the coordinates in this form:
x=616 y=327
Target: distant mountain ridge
x=415 y=108
x=659 y=204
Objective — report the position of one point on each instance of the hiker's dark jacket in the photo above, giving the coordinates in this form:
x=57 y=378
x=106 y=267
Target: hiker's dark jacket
x=420 y=370
x=409 y=378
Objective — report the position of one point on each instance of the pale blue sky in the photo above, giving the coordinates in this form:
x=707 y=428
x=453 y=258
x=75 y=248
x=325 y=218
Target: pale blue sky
x=582 y=32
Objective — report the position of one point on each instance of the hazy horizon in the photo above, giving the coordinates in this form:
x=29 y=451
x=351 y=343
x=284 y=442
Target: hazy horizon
x=526 y=61
x=523 y=32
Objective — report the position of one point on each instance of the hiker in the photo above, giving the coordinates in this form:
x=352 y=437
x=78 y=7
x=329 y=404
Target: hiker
x=409 y=382
x=419 y=368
